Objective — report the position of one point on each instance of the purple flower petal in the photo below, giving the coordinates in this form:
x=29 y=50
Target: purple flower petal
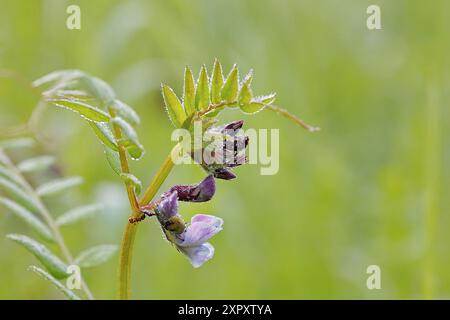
x=208 y=219
x=235 y=125
x=198 y=255
x=222 y=154
x=201 y=229
x=168 y=207
x=201 y=192
x=224 y=174
x=206 y=189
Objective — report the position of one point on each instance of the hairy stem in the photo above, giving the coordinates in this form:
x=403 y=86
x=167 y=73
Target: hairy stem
x=285 y=113
x=48 y=219
x=213 y=107
x=129 y=234
x=124 y=166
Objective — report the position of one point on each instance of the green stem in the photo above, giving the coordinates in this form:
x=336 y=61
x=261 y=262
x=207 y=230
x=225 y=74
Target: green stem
x=129 y=234
x=124 y=165
x=285 y=113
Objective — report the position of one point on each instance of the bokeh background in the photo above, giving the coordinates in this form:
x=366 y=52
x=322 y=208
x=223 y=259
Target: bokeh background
x=370 y=188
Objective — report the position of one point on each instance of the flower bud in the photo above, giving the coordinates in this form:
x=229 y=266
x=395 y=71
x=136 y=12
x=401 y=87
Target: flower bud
x=201 y=192
x=226 y=153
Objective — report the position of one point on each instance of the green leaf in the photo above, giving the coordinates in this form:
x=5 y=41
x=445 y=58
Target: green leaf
x=257 y=104
x=252 y=107
x=216 y=83
x=18 y=194
x=130 y=179
x=52 y=263
x=248 y=79
x=202 y=91
x=85 y=110
x=36 y=164
x=72 y=94
x=95 y=256
x=246 y=102
x=99 y=89
x=44 y=274
x=4 y=159
x=57 y=76
x=245 y=96
x=57 y=186
x=126 y=112
x=189 y=92
x=216 y=88
x=11 y=176
x=230 y=88
x=173 y=106
x=78 y=214
x=130 y=139
x=267 y=99
x=104 y=133
x=113 y=160
x=26 y=216
x=17 y=143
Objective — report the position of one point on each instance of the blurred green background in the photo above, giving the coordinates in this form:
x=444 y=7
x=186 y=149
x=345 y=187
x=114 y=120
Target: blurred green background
x=370 y=188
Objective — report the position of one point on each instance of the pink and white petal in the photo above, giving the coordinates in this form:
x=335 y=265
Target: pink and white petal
x=198 y=255
x=208 y=219
x=198 y=233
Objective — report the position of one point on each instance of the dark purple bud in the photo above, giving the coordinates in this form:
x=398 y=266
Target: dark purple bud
x=235 y=125
x=201 y=192
x=224 y=174
x=224 y=154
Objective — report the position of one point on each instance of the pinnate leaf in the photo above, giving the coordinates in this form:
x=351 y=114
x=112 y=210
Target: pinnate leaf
x=98 y=89
x=18 y=194
x=126 y=112
x=17 y=143
x=57 y=186
x=11 y=176
x=29 y=218
x=95 y=256
x=113 y=160
x=79 y=214
x=45 y=275
x=104 y=134
x=57 y=76
x=36 y=164
x=83 y=109
x=51 y=262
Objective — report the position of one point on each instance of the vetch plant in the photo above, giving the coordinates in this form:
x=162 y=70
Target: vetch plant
x=189 y=239
x=114 y=122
